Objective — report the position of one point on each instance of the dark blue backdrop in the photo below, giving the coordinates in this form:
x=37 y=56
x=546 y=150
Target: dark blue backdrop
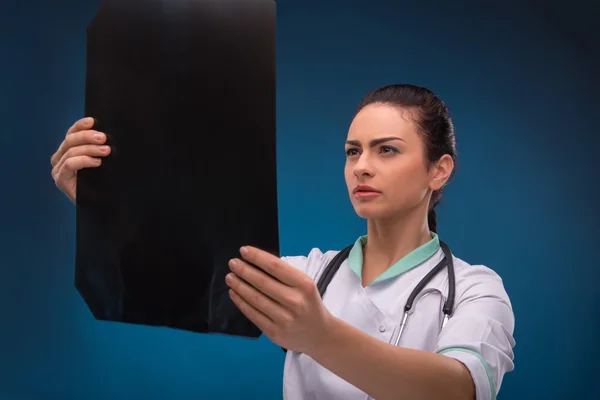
x=522 y=85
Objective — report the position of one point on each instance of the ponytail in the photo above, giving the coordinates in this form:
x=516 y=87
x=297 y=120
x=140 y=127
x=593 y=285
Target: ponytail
x=432 y=220
x=436 y=197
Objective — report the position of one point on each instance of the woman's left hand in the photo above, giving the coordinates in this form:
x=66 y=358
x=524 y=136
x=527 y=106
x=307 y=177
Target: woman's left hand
x=282 y=301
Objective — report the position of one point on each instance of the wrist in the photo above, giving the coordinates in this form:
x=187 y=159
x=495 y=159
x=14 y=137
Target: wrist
x=325 y=338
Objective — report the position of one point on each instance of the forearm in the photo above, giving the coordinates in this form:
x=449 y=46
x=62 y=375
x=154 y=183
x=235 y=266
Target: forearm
x=385 y=371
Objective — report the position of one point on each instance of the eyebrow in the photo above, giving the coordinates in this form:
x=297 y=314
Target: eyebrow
x=374 y=142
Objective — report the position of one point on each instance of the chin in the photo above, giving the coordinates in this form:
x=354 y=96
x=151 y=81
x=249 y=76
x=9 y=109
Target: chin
x=371 y=211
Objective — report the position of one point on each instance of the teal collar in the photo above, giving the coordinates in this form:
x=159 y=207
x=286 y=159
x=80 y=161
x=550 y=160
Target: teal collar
x=411 y=260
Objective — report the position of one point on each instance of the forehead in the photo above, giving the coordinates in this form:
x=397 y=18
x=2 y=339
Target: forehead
x=379 y=120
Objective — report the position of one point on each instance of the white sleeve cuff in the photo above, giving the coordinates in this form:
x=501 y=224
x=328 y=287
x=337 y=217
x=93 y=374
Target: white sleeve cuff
x=485 y=387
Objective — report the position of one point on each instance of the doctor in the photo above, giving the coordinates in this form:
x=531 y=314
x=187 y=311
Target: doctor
x=357 y=342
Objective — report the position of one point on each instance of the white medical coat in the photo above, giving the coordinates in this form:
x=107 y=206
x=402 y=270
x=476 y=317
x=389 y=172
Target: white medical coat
x=479 y=333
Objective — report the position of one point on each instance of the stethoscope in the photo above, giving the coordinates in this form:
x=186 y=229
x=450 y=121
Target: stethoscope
x=448 y=305
x=336 y=262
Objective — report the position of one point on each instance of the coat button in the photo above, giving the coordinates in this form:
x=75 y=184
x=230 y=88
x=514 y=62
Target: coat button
x=382 y=328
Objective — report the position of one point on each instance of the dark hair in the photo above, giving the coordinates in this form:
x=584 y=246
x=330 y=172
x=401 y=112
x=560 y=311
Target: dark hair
x=433 y=120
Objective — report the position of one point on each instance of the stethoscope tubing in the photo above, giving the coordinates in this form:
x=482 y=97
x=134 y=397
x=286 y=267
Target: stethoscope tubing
x=447 y=262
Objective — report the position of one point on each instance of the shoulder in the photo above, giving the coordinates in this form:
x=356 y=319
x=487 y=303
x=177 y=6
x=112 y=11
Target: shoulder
x=478 y=281
x=312 y=263
x=472 y=273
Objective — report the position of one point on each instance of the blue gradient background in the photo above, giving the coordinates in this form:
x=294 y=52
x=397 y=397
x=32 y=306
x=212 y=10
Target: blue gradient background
x=522 y=85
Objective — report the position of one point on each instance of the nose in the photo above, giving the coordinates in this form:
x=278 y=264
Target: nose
x=362 y=167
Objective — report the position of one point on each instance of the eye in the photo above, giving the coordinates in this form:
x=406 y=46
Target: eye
x=351 y=152
x=388 y=149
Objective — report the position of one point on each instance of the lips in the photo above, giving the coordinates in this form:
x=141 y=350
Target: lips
x=365 y=189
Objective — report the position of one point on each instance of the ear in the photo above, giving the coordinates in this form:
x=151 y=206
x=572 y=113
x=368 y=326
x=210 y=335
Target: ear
x=440 y=172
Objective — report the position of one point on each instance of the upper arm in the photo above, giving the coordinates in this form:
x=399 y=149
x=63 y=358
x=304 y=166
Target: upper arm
x=480 y=332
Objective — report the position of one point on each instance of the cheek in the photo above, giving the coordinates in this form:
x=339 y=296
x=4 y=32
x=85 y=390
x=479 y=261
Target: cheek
x=410 y=184
x=348 y=175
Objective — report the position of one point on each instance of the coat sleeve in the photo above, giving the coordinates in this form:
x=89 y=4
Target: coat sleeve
x=480 y=332
x=312 y=264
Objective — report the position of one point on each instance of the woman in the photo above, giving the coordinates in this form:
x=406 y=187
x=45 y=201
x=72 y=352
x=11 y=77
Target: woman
x=400 y=154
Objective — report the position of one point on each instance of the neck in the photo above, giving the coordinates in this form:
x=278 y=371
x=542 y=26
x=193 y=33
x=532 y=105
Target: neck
x=390 y=239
